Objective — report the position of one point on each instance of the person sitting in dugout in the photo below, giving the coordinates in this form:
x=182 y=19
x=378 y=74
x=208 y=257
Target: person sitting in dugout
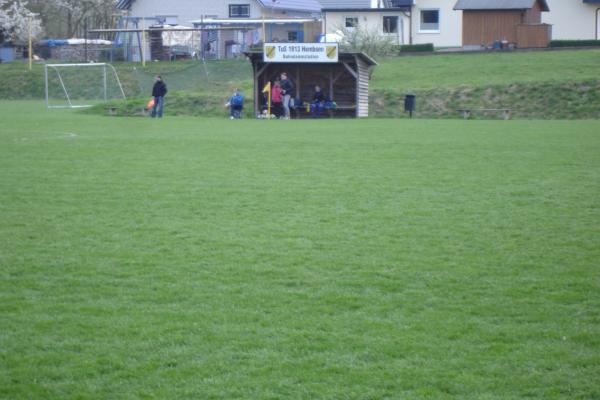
x=318 y=103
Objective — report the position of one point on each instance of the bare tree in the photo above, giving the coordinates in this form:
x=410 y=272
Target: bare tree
x=68 y=18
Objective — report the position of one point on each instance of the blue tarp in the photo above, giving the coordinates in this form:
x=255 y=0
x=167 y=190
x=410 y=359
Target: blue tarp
x=53 y=42
x=7 y=54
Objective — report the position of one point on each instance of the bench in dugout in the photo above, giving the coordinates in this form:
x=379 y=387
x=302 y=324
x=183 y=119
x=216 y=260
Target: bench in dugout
x=331 y=110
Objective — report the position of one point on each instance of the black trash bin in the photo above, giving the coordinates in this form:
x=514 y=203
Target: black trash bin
x=410 y=103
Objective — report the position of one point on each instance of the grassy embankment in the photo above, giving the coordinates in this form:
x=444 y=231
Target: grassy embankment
x=194 y=88
x=561 y=84
x=558 y=84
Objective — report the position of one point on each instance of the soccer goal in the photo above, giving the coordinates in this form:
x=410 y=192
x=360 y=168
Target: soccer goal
x=81 y=85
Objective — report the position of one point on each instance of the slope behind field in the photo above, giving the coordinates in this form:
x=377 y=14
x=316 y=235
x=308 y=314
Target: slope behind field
x=551 y=84
x=214 y=77
x=451 y=71
x=540 y=85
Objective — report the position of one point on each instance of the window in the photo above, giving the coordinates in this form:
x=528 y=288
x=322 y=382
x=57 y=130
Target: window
x=399 y=3
x=430 y=21
x=390 y=24
x=351 y=22
x=292 y=36
x=167 y=19
x=239 y=11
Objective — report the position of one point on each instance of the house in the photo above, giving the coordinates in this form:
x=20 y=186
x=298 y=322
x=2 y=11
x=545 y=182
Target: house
x=570 y=19
x=184 y=11
x=436 y=21
x=258 y=20
x=516 y=22
x=574 y=19
x=345 y=15
x=405 y=21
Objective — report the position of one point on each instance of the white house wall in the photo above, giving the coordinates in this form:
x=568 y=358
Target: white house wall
x=450 y=32
x=185 y=11
x=369 y=21
x=571 y=19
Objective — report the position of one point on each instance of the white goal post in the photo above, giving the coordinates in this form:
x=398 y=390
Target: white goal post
x=66 y=91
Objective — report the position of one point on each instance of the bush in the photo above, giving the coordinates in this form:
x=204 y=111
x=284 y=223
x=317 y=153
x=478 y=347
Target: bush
x=416 y=48
x=575 y=43
x=367 y=41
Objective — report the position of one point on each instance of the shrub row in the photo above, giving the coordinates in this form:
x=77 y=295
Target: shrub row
x=575 y=43
x=416 y=48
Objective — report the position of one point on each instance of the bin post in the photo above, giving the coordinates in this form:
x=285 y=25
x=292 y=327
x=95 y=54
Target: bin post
x=410 y=104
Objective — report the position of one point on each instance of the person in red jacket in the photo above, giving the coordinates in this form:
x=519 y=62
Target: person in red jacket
x=276 y=99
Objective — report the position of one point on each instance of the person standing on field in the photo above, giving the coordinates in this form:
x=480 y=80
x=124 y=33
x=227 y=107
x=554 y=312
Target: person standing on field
x=159 y=91
x=287 y=88
x=276 y=99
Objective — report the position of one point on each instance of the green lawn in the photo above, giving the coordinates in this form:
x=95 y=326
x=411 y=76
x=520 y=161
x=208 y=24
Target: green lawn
x=337 y=259
x=485 y=69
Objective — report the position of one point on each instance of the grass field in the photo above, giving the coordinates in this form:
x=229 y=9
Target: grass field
x=213 y=259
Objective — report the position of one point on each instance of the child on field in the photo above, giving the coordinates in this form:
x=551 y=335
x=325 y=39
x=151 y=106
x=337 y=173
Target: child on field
x=236 y=105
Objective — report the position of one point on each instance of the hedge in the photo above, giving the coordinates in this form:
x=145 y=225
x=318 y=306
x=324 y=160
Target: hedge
x=416 y=48
x=574 y=43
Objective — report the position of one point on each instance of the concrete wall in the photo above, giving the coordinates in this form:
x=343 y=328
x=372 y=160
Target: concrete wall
x=571 y=19
x=370 y=21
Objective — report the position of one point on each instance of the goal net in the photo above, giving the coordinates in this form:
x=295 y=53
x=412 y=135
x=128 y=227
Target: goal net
x=192 y=76
x=81 y=85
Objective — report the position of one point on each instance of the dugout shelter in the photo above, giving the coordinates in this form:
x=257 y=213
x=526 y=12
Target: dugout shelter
x=345 y=82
